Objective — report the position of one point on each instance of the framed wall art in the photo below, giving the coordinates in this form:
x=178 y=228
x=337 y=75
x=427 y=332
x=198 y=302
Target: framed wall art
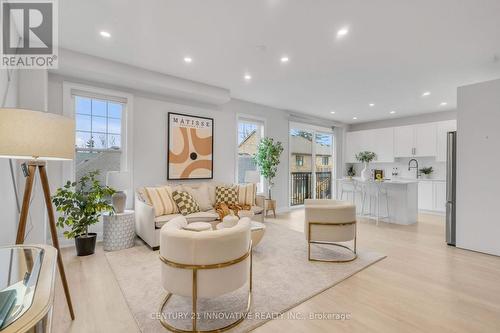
x=190 y=147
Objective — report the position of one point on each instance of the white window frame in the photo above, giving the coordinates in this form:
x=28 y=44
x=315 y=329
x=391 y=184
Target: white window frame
x=314 y=130
x=69 y=89
x=258 y=120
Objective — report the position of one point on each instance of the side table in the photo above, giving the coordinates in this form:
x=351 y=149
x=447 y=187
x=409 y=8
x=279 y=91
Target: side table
x=270 y=204
x=119 y=230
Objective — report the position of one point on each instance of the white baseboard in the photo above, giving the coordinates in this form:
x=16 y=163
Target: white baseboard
x=432 y=212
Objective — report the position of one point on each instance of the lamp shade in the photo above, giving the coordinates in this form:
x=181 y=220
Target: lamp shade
x=27 y=134
x=117 y=180
x=252 y=176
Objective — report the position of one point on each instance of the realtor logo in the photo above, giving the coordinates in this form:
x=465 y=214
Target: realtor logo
x=29 y=34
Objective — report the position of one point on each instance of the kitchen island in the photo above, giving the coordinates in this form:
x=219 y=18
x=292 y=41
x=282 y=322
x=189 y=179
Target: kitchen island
x=402 y=195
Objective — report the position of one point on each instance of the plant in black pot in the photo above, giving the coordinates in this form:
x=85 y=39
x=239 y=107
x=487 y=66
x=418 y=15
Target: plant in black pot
x=81 y=204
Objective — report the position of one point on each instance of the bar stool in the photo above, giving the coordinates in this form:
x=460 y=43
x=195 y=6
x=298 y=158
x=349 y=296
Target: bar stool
x=375 y=190
x=351 y=187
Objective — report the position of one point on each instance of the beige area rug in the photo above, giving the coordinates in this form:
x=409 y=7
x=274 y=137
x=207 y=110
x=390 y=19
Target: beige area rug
x=282 y=279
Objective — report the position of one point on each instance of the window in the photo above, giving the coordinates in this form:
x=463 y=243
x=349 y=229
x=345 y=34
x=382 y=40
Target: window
x=249 y=134
x=299 y=160
x=98 y=135
x=325 y=160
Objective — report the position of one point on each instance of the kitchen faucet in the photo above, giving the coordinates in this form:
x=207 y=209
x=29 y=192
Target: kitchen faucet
x=413 y=167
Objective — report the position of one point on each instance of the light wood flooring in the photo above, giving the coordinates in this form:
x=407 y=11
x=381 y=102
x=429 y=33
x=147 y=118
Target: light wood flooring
x=422 y=286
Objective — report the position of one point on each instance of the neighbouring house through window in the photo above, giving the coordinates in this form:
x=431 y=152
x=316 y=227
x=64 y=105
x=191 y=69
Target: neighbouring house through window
x=249 y=134
x=99 y=124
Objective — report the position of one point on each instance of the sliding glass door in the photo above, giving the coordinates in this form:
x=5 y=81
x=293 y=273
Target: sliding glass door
x=311 y=164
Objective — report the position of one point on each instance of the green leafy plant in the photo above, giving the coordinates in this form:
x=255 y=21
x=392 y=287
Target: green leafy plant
x=427 y=170
x=366 y=156
x=351 y=172
x=267 y=159
x=81 y=204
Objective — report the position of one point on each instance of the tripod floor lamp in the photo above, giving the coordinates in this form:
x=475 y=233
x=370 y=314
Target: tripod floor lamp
x=38 y=137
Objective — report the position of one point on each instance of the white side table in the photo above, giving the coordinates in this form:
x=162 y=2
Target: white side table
x=119 y=230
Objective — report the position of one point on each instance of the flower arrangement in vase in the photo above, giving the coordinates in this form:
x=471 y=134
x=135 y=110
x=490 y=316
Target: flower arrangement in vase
x=365 y=157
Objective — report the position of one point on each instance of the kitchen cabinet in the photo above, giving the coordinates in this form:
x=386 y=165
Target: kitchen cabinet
x=404 y=140
x=443 y=128
x=425 y=140
x=425 y=195
x=439 y=196
x=380 y=141
x=432 y=195
x=415 y=140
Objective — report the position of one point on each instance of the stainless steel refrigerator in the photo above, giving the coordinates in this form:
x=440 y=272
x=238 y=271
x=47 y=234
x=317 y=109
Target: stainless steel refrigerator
x=451 y=188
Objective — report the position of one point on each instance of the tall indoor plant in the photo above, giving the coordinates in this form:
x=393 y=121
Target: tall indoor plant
x=365 y=157
x=267 y=159
x=81 y=204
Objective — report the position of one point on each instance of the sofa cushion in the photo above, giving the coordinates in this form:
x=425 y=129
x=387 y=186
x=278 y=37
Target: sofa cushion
x=246 y=194
x=226 y=194
x=161 y=200
x=185 y=202
x=209 y=216
x=200 y=195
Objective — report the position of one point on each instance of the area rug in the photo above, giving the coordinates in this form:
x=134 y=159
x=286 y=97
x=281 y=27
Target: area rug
x=282 y=279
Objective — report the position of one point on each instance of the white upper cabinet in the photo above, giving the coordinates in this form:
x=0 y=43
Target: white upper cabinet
x=425 y=140
x=380 y=141
x=421 y=140
x=415 y=140
x=442 y=129
x=404 y=141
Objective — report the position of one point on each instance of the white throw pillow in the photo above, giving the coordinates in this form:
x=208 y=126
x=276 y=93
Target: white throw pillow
x=201 y=196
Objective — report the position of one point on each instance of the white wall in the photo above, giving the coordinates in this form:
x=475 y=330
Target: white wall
x=478 y=159
x=8 y=209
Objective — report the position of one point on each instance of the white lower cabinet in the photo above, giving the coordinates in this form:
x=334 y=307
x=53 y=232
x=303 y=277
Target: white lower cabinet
x=432 y=195
x=440 y=196
x=425 y=198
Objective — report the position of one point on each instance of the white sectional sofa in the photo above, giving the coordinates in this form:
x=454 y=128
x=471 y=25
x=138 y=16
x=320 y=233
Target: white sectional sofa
x=147 y=226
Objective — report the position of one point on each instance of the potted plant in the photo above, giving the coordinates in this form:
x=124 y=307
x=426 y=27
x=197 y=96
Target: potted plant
x=365 y=157
x=267 y=159
x=351 y=172
x=427 y=171
x=81 y=204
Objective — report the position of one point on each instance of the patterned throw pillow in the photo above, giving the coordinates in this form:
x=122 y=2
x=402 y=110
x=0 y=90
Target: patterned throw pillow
x=246 y=194
x=227 y=195
x=161 y=200
x=185 y=202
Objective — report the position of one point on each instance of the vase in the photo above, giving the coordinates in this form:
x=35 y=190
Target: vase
x=365 y=173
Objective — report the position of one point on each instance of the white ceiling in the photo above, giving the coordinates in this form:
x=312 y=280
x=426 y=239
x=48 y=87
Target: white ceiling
x=395 y=49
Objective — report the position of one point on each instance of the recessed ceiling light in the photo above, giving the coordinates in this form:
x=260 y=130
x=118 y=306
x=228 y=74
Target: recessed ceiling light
x=284 y=59
x=371 y=105
x=188 y=60
x=105 y=34
x=342 y=32
x=425 y=94
x=392 y=112
x=332 y=112
x=444 y=103
x=247 y=77
x=354 y=118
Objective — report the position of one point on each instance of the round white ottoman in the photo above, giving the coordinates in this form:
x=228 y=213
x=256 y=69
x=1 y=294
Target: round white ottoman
x=198 y=226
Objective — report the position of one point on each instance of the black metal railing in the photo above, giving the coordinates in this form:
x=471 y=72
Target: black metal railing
x=301 y=186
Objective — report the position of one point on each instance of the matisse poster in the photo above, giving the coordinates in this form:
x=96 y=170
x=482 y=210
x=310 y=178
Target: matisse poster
x=190 y=147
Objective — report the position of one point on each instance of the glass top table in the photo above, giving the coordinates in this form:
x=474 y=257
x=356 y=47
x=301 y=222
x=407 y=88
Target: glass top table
x=19 y=272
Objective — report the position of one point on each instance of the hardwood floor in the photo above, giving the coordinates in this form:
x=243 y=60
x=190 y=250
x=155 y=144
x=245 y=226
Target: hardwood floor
x=422 y=286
